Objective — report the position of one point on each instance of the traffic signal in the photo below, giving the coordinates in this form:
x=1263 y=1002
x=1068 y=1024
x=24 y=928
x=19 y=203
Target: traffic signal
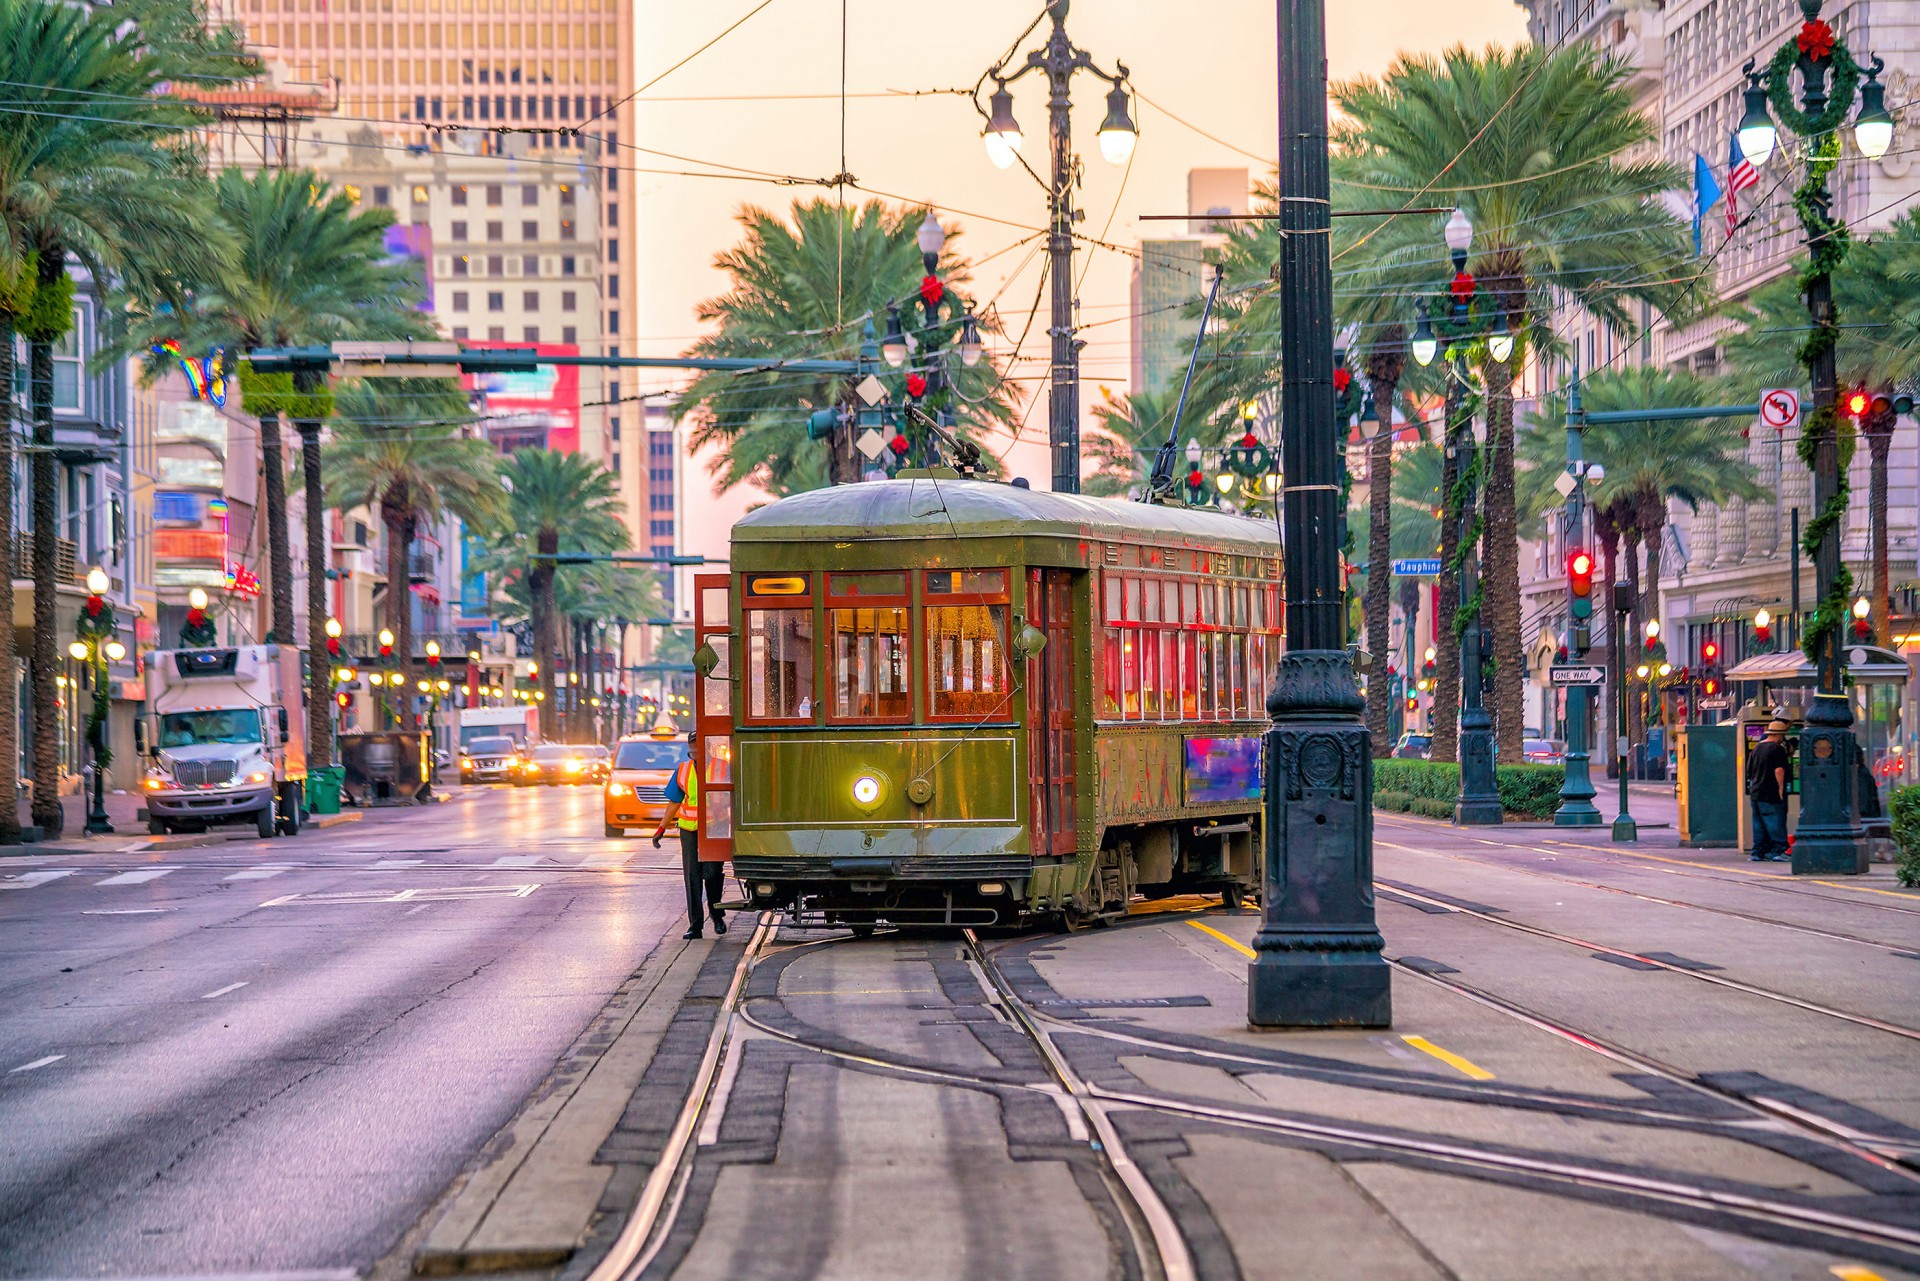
x=1710 y=686
x=1709 y=653
x=821 y=423
x=1580 y=582
x=1856 y=403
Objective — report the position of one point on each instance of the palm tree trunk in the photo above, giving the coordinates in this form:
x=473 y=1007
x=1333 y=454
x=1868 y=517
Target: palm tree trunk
x=1608 y=534
x=1630 y=638
x=545 y=641
x=9 y=686
x=319 y=666
x=1379 y=596
x=273 y=463
x=47 y=814
x=1879 y=444
x=1444 y=722
x=1501 y=573
x=393 y=518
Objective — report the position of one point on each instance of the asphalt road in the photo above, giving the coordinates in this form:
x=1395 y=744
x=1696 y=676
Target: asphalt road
x=272 y=1056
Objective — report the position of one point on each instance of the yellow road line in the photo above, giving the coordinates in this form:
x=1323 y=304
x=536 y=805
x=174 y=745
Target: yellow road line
x=1847 y=1272
x=1868 y=889
x=1466 y=1067
x=1228 y=939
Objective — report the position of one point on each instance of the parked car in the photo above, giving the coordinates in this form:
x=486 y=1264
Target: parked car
x=1544 y=751
x=636 y=793
x=488 y=760
x=1414 y=747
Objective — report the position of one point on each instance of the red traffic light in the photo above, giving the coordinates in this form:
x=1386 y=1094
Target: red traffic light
x=346 y=699
x=1857 y=403
x=1581 y=563
x=1709 y=651
x=1580 y=584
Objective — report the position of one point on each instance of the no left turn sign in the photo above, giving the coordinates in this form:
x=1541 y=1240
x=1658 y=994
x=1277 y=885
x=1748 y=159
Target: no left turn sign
x=1780 y=407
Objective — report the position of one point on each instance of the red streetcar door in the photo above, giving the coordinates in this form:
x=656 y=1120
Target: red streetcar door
x=713 y=717
x=1050 y=714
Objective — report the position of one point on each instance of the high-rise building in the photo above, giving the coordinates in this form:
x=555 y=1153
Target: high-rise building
x=1170 y=274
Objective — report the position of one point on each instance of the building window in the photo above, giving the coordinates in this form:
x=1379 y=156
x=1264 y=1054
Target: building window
x=530 y=300
x=569 y=335
x=530 y=265
x=613 y=251
x=613 y=322
x=613 y=423
x=460 y=195
x=529 y=230
x=460 y=331
x=496 y=301
x=496 y=333
x=567 y=229
x=659 y=502
x=459 y=231
x=530 y=334
x=459 y=300
x=529 y=193
x=382 y=196
x=459 y=264
x=496 y=231
x=495 y=194
x=569 y=300
x=567 y=266
x=496 y=266
x=69 y=365
x=566 y=193
x=661 y=529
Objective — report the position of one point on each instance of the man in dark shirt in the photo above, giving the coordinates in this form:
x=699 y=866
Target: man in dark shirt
x=1768 y=770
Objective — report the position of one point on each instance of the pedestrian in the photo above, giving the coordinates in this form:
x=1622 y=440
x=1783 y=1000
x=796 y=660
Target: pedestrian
x=683 y=804
x=1769 y=769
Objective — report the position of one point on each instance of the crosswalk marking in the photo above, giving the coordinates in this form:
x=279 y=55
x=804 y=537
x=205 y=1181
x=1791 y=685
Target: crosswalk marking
x=517 y=860
x=260 y=873
x=27 y=880
x=604 y=860
x=37 y=1063
x=222 y=991
x=386 y=864
x=137 y=878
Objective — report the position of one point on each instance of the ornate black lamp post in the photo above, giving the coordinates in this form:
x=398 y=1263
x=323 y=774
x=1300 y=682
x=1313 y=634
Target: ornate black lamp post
x=96 y=645
x=1479 y=800
x=1059 y=60
x=1576 y=791
x=943 y=316
x=1828 y=839
x=1317 y=956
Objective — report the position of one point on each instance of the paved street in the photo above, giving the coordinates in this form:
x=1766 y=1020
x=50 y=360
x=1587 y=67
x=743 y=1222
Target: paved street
x=274 y=1055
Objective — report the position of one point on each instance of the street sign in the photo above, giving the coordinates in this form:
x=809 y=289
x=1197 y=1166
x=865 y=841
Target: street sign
x=1780 y=407
x=871 y=390
x=871 y=443
x=1564 y=484
x=1416 y=568
x=1719 y=704
x=1579 y=676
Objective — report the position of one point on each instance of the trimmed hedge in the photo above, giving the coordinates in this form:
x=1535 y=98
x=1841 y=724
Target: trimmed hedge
x=1904 y=809
x=1430 y=788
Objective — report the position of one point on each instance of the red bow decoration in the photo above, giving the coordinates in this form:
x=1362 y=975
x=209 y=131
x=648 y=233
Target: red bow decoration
x=1342 y=379
x=1249 y=440
x=1195 y=479
x=916 y=385
x=899 y=445
x=1462 y=287
x=1816 y=40
x=93 y=606
x=196 y=616
x=932 y=291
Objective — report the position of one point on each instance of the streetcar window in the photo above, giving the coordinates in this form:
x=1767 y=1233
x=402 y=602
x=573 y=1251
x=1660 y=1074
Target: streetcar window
x=1170 y=673
x=1130 y=675
x=713 y=606
x=1189 y=602
x=1190 y=681
x=1241 y=703
x=716 y=691
x=779 y=664
x=967 y=674
x=1257 y=675
x=1149 y=644
x=967 y=582
x=1114 y=613
x=1110 y=675
x=1150 y=603
x=865 y=585
x=1133 y=600
x=870 y=662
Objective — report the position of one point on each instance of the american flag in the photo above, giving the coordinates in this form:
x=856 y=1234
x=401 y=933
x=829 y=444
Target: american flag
x=1740 y=175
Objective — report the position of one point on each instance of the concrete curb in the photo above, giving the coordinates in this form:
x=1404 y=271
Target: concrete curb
x=531 y=1201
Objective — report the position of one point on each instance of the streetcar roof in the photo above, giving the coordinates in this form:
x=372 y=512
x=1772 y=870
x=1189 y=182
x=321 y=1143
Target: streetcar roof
x=922 y=507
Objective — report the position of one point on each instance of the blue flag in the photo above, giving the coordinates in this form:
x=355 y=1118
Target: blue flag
x=1706 y=194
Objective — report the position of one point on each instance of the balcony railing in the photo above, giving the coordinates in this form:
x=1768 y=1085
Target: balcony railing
x=66 y=557
x=364 y=647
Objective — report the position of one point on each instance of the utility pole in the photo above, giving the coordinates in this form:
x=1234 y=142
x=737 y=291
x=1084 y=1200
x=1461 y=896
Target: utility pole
x=1317 y=959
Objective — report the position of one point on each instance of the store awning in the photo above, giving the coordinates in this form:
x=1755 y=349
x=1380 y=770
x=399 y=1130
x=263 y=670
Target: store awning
x=1866 y=665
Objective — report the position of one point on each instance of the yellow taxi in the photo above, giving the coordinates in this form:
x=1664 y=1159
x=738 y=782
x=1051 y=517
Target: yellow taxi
x=636 y=791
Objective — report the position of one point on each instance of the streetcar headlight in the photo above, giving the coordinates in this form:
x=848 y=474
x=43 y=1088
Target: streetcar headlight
x=993 y=887
x=763 y=891
x=867 y=791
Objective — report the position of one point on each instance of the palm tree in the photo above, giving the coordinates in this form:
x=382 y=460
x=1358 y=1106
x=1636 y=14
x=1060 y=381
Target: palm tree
x=555 y=503
x=810 y=289
x=398 y=447
x=1129 y=430
x=115 y=186
x=1529 y=142
x=307 y=267
x=585 y=596
x=1879 y=348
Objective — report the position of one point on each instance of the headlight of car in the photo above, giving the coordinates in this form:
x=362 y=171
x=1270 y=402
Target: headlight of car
x=158 y=782
x=619 y=789
x=466 y=763
x=574 y=766
x=258 y=776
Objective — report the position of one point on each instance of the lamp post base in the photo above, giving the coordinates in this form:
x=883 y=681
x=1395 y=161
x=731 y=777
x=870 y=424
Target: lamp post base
x=1828 y=841
x=1625 y=830
x=1320 y=988
x=1478 y=804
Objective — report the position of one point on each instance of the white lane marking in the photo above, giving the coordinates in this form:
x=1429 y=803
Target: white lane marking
x=432 y=894
x=125 y=911
x=136 y=878
x=222 y=991
x=421 y=908
x=517 y=860
x=37 y=1063
x=604 y=860
x=260 y=873
x=387 y=863
x=27 y=880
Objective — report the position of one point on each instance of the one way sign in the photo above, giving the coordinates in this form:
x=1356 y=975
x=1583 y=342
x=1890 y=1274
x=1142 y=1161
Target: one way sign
x=1579 y=675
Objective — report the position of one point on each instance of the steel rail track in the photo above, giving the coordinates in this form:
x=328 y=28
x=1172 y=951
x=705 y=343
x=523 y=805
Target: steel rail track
x=1861 y=1020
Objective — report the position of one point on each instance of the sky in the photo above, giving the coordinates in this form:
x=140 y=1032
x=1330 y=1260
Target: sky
x=1209 y=62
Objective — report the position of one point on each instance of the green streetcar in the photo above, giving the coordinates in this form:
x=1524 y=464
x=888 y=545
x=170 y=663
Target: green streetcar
x=952 y=701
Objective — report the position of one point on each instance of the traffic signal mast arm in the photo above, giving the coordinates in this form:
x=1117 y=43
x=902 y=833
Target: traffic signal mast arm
x=408 y=357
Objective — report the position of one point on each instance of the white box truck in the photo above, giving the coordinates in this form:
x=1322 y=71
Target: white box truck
x=226 y=739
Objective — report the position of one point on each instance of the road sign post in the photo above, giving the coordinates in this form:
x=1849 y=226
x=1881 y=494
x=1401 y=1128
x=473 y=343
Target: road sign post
x=1780 y=407
x=1584 y=675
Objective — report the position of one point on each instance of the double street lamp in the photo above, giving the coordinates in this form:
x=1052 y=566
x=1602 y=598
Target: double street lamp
x=96 y=645
x=1059 y=59
x=1464 y=321
x=1818 y=62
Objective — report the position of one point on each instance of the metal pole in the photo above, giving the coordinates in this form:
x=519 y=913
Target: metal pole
x=1317 y=959
x=1478 y=804
x=1063 y=394
x=97 y=822
x=1793 y=585
x=1624 y=828
x=1576 y=793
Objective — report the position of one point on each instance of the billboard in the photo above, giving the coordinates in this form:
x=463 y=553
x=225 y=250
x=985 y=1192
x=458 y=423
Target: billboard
x=539 y=410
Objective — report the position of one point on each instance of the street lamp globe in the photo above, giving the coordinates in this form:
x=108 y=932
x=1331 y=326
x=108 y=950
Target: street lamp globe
x=1500 y=341
x=433 y=649
x=1117 y=132
x=1757 y=133
x=1653 y=630
x=1224 y=482
x=971 y=348
x=1193 y=451
x=79 y=651
x=1459 y=233
x=197 y=599
x=115 y=651
x=1002 y=135
x=386 y=637
x=893 y=348
x=1666 y=669
x=97 y=581
x=1873 y=130
x=333 y=628
x=1425 y=345
x=1642 y=671
x=426 y=686
x=1861 y=608
x=931 y=236
x=343 y=674
x=443 y=685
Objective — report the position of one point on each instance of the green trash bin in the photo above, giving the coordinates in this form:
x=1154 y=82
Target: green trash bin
x=323 y=789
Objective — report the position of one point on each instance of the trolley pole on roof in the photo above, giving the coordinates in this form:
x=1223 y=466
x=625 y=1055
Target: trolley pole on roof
x=1317 y=959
